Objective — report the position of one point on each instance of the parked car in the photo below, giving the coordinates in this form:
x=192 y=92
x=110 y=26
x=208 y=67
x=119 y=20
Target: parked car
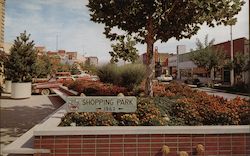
x=45 y=88
x=194 y=81
x=165 y=78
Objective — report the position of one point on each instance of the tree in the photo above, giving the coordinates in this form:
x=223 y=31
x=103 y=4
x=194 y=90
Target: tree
x=74 y=69
x=152 y=20
x=21 y=66
x=124 y=50
x=240 y=64
x=208 y=56
x=43 y=67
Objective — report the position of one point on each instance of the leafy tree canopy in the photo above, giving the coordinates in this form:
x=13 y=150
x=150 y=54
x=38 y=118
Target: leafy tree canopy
x=171 y=18
x=124 y=50
x=43 y=66
x=207 y=56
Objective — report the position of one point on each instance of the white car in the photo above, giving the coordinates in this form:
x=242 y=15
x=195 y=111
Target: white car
x=165 y=78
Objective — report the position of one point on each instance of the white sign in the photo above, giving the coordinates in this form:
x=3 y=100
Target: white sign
x=102 y=103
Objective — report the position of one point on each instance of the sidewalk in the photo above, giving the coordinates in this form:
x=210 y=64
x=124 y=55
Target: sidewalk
x=18 y=116
x=223 y=93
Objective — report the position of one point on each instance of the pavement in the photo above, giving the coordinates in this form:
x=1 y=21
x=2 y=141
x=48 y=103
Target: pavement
x=222 y=93
x=18 y=116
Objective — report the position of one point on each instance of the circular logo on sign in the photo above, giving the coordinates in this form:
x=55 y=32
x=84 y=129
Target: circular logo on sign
x=73 y=107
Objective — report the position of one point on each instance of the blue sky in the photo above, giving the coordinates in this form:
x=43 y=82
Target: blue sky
x=70 y=21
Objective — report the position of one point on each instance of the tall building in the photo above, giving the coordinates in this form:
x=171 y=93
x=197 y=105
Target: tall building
x=2 y=16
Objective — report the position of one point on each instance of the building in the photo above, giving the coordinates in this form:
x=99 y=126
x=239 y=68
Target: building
x=2 y=19
x=65 y=57
x=189 y=69
x=41 y=50
x=92 y=60
x=160 y=61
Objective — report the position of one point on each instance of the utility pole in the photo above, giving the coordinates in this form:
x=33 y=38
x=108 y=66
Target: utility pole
x=232 y=56
x=57 y=42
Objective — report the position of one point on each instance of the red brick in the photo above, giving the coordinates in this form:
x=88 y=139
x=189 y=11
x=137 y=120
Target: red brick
x=102 y=150
x=58 y=146
x=142 y=149
x=47 y=146
x=144 y=136
x=75 y=150
x=185 y=144
x=211 y=148
x=129 y=140
x=62 y=137
x=211 y=139
x=102 y=145
x=61 y=141
x=143 y=140
x=144 y=154
x=88 y=141
x=102 y=154
x=78 y=141
x=198 y=139
x=129 y=154
x=102 y=141
x=116 y=145
x=74 y=154
x=157 y=135
x=171 y=139
x=144 y=145
x=116 y=136
x=89 y=136
x=112 y=150
x=89 y=154
x=185 y=149
x=75 y=137
x=155 y=149
x=227 y=152
x=61 y=150
x=214 y=152
x=61 y=155
x=102 y=136
x=89 y=150
x=157 y=140
x=75 y=146
x=130 y=150
x=47 y=141
x=184 y=139
x=114 y=140
x=116 y=154
x=129 y=136
x=88 y=146
x=129 y=145
x=159 y=145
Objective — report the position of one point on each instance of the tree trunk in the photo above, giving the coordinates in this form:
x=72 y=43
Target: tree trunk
x=150 y=59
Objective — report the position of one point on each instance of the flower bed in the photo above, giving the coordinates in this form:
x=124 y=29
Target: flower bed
x=174 y=104
x=96 y=88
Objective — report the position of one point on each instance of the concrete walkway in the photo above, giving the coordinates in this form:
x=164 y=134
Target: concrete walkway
x=18 y=116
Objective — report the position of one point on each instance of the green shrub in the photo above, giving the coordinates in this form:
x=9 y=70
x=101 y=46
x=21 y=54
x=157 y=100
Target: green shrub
x=132 y=75
x=109 y=74
x=129 y=76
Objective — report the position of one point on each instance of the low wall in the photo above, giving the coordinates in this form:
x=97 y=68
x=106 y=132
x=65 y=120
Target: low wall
x=143 y=144
x=139 y=141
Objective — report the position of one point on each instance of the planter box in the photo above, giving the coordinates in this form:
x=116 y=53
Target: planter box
x=21 y=90
x=139 y=140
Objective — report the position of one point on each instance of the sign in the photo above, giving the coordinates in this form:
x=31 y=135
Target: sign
x=102 y=103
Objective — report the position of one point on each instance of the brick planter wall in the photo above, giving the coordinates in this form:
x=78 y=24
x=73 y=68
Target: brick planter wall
x=143 y=144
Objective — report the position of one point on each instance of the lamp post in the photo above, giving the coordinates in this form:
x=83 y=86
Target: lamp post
x=231 y=55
